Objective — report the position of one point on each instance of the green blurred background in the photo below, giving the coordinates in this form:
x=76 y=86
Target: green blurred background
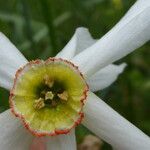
x=41 y=28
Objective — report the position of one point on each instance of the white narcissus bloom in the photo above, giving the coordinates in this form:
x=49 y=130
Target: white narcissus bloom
x=94 y=60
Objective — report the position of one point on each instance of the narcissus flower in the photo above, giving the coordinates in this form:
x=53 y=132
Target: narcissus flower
x=50 y=98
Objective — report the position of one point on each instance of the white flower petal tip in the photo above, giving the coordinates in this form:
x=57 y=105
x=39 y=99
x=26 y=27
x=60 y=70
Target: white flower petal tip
x=10 y=60
x=62 y=142
x=13 y=135
x=105 y=77
x=84 y=39
x=80 y=41
x=113 y=128
x=129 y=34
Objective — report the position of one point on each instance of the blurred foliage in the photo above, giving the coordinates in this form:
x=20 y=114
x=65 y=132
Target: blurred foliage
x=41 y=28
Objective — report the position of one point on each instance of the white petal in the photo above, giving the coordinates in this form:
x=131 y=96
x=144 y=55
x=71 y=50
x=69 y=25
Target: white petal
x=10 y=61
x=80 y=41
x=13 y=136
x=125 y=37
x=38 y=143
x=62 y=142
x=139 y=6
x=84 y=40
x=113 y=128
x=105 y=77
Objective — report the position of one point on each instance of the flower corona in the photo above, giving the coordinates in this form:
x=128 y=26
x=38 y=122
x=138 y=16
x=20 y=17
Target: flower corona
x=49 y=96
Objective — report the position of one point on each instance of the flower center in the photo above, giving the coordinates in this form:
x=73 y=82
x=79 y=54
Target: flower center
x=48 y=96
x=51 y=94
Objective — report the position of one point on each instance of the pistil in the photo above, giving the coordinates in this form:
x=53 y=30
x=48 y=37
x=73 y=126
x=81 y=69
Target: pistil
x=49 y=95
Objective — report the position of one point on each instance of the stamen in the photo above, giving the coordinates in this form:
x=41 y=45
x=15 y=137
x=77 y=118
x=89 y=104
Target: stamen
x=48 y=81
x=49 y=95
x=63 y=96
x=39 y=103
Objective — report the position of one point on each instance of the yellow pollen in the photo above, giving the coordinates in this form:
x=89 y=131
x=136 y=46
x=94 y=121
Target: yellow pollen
x=49 y=95
x=63 y=96
x=39 y=103
x=48 y=81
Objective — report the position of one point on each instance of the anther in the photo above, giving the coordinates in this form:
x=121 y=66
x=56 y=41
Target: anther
x=48 y=81
x=63 y=96
x=39 y=103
